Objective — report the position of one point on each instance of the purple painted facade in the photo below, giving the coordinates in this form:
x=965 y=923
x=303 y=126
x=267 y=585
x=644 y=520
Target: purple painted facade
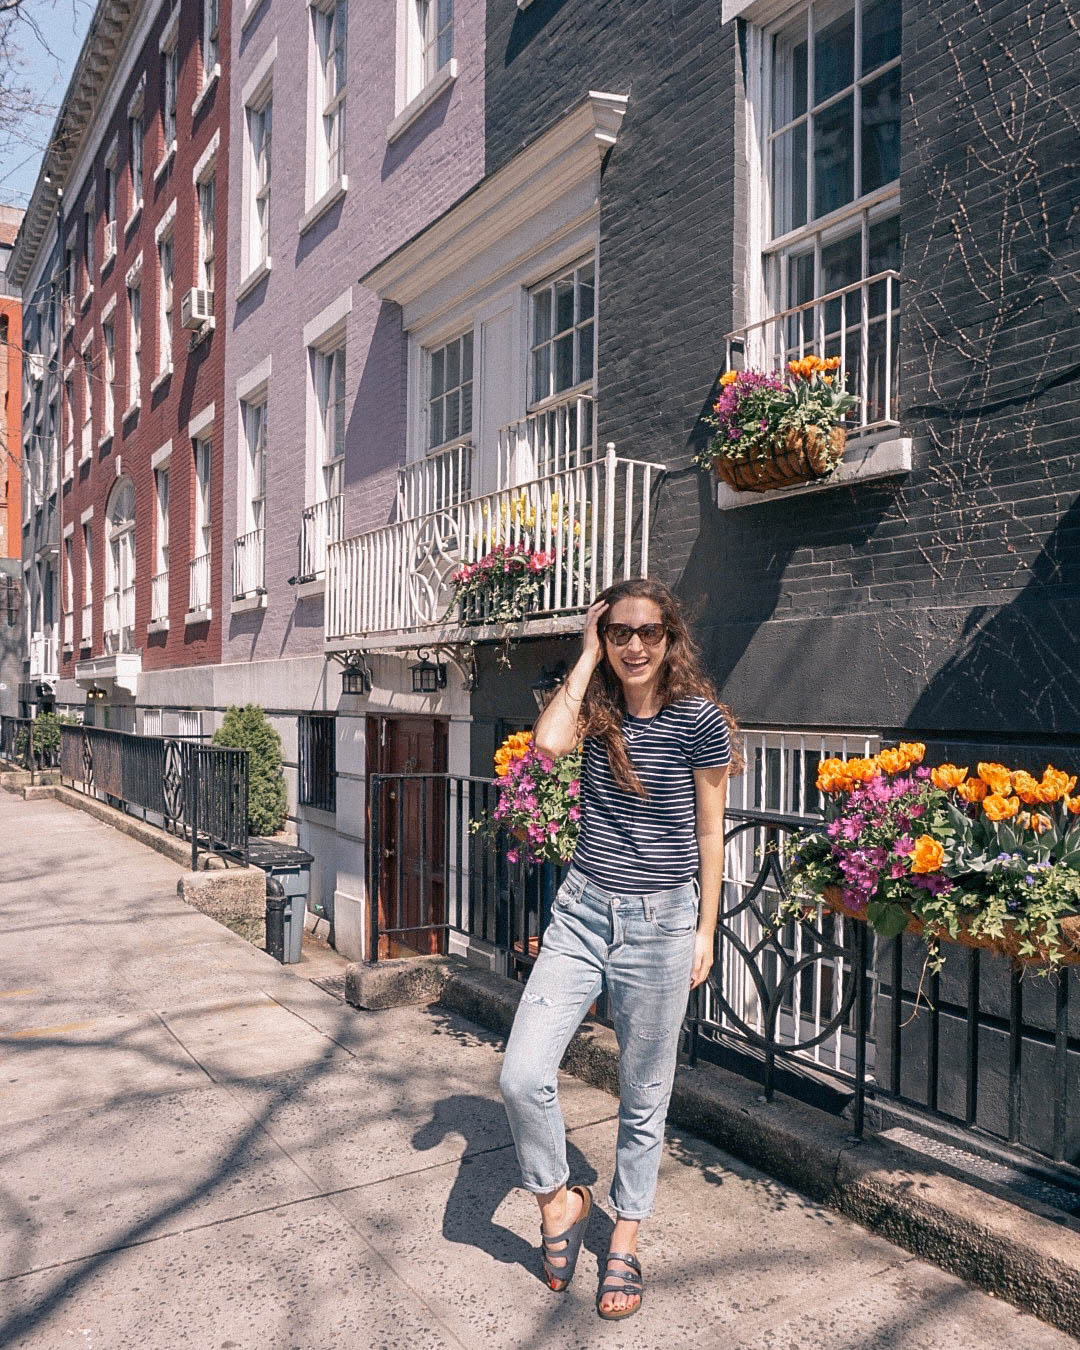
x=394 y=189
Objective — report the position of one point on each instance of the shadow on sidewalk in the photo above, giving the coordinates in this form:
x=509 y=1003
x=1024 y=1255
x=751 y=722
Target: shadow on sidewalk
x=479 y=1190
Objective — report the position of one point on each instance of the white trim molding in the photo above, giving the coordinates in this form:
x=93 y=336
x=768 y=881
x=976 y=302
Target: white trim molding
x=335 y=313
x=205 y=163
x=423 y=100
x=87 y=516
x=759 y=12
x=134 y=272
x=333 y=193
x=258 y=81
x=568 y=154
x=261 y=270
x=171 y=31
x=165 y=223
x=201 y=422
x=161 y=456
x=254 y=379
x=205 y=92
x=108 y=308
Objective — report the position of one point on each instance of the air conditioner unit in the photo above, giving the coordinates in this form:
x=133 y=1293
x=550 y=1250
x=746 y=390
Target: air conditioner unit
x=196 y=307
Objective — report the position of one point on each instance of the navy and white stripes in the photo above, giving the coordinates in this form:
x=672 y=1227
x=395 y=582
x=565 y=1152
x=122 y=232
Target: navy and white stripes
x=639 y=844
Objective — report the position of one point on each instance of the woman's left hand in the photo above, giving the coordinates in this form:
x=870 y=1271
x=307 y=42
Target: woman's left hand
x=703 y=958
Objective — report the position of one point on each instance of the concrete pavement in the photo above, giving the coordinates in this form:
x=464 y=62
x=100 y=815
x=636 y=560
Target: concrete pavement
x=201 y=1148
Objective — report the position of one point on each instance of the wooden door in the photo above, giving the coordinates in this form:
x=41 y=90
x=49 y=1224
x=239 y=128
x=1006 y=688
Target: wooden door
x=410 y=848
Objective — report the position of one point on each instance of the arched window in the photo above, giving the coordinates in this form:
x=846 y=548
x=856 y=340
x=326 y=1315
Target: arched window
x=120 y=567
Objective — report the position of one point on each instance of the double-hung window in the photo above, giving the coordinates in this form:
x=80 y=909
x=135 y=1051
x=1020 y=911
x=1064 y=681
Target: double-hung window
x=165 y=303
x=330 y=54
x=161 y=519
x=170 y=70
x=88 y=580
x=329 y=370
x=134 y=344
x=563 y=333
x=209 y=40
x=135 y=131
x=110 y=206
x=450 y=392
x=255 y=432
x=202 y=497
x=435 y=20
x=830 y=85
x=88 y=253
x=88 y=404
x=207 y=196
x=108 y=334
x=260 y=120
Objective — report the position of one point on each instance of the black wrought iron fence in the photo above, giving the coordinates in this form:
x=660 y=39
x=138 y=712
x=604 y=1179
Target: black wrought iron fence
x=199 y=792
x=797 y=1002
x=17 y=745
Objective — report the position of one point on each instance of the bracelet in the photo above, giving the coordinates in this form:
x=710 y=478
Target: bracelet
x=577 y=698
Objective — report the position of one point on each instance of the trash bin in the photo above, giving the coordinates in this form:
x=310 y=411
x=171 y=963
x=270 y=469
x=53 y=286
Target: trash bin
x=289 y=868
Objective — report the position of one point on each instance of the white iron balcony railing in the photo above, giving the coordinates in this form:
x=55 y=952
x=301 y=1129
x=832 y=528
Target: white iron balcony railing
x=43 y=655
x=558 y=435
x=159 y=597
x=320 y=525
x=199 y=582
x=69 y=632
x=249 y=553
x=859 y=323
x=86 y=624
x=593 y=521
x=112 y=613
x=438 y=480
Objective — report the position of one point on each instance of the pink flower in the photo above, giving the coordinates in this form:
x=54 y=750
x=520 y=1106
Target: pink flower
x=512 y=855
x=547 y=763
x=573 y=787
x=553 y=828
x=574 y=813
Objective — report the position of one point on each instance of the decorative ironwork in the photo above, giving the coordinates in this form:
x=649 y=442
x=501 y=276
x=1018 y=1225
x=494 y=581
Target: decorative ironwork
x=87 y=762
x=435 y=554
x=174 y=783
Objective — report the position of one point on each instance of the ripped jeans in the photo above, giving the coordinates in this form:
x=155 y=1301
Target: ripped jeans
x=642 y=946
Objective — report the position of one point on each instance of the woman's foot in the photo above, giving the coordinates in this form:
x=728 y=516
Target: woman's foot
x=559 y=1212
x=623 y=1239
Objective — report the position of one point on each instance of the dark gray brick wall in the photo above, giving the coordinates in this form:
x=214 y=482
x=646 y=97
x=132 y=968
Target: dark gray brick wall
x=941 y=601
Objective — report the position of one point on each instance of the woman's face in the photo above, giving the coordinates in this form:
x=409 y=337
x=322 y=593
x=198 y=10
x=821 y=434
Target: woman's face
x=637 y=664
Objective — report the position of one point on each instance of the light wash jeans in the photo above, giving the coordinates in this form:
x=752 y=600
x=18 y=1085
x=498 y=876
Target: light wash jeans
x=642 y=946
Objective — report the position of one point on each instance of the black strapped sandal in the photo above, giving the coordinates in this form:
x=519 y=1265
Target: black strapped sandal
x=620 y=1282
x=558 y=1277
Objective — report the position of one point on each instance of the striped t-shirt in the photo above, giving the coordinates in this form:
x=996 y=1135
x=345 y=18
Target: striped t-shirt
x=639 y=844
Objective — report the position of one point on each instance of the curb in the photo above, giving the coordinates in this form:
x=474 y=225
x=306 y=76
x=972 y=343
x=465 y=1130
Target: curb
x=1017 y=1254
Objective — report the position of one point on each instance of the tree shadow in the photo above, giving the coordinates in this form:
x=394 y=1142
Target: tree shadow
x=478 y=1191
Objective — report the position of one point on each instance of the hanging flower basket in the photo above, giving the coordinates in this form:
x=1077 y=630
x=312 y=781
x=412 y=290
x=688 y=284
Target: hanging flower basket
x=774 y=431
x=800 y=457
x=1065 y=952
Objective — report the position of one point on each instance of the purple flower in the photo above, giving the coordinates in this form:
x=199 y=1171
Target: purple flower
x=904 y=846
x=512 y=855
x=897 y=870
x=852 y=826
x=574 y=813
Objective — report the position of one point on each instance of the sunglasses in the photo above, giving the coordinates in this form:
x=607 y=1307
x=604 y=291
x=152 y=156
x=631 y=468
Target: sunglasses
x=619 y=634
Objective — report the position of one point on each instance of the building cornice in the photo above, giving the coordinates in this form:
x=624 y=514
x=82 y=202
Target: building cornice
x=559 y=158
x=93 y=71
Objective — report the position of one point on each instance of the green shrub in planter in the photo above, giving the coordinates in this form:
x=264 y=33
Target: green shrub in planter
x=249 y=729
x=46 y=739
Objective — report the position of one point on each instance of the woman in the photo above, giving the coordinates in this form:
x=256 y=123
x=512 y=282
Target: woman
x=657 y=752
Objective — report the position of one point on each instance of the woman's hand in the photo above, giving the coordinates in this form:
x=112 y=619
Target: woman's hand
x=592 y=648
x=703 y=957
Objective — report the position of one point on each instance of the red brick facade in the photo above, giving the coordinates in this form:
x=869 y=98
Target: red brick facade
x=11 y=428
x=196 y=381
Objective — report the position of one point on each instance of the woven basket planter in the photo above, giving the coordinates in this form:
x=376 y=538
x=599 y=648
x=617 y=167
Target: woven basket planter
x=799 y=458
x=1006 y=945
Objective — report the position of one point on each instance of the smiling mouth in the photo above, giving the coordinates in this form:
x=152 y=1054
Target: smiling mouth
x=633 y=664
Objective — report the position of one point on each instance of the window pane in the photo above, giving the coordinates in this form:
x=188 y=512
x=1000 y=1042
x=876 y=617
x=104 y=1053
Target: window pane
x=445 y=47
x=453 y=364
x=789 y=180
x=833 y=157
x=435 y=428
x=564 y=304
x=466 y=408
x=789 y=74
x=437 y=385
x=453 y=413
x=446 y=13
x=880 y=33
x=541 y=316
x=564 y=362
x=834 y=56
x=540 y=381
x=466 y=357
x=884 y=256
x=585 y=352
x=841 y=264
x=881 y=130
x=586 y=292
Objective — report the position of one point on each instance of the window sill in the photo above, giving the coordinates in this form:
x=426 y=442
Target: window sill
x=136 y=212
x=194 y=616
x=318 y=815
x=333 y=193
x=87 y=297
x=245 y=604
x=130 y=412
x=160 y=378
x=205 y=92
x=84 y=459
x=883 y=455
x=524 y=4
x=423 y=100
x=305 y=589
x=157 y=626
x=103 y=441
x=166 y=160
x=251 y=281
x=199 y=335
x=108 y=261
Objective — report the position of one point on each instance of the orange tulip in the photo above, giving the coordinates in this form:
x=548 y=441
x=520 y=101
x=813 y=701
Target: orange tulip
x=997 y=778
x=729 y=377
x=913 y=751
x=974 y=790
x=1040 y=823
x=1055 y=784
x=928 y=854
x=998 y=807
x=1072 y=805
x=892 y=761
x=947 y=776
x=1026 y=787
x=861 y=769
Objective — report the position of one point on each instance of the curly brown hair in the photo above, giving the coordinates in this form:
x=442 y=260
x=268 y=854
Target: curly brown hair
x=681 y=676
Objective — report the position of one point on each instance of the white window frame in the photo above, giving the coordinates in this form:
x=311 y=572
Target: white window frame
x=87 y=446
x=134 y=295
x=259 y=121
x=161 y=517
x=330 y=36
x=328 y=374
x=208 y=42
x=435 y=24
x=88 y=254
x=88 y=568
x=135 y=158
x=166 y=301
x=585 y=380
x=170 y=58
x=206 y=193
x=108 y=343
x=255 y=429
x=433 y=356
x=202 y=449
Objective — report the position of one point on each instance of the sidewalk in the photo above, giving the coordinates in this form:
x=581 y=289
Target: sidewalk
x=200 y=1148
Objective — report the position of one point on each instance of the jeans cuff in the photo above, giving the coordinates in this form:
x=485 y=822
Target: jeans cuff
x=536 y=1189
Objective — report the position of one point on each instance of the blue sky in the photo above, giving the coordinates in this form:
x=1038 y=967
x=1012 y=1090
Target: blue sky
x=46 y=58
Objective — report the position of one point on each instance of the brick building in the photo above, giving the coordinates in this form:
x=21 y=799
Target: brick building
x=140 y=156
x=11 y=489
